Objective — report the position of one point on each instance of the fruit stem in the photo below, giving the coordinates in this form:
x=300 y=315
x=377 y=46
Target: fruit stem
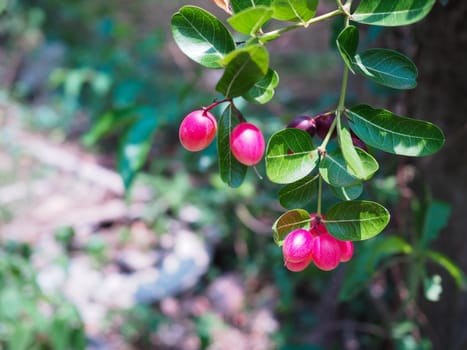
x=237 y=111
x=339 y=110
x=257 y=173
x=216 y=103
x=322 y=147
x=320 y=192
x=274 y=34
x=345 y=8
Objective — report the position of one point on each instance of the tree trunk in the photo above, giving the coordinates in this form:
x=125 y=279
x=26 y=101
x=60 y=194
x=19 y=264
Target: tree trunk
x=441 y=97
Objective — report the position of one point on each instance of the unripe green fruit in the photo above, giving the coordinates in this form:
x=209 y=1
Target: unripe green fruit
x=197 y=130
x=247 y=144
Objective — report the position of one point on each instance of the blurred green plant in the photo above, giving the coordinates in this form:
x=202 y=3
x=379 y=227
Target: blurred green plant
x=30 y=319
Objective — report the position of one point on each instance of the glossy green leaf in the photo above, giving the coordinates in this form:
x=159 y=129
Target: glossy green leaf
x=351 y=156
x=347 y=193
x=336 y=171
x=201 y=36
x=436 y=218
x=364 y=265
x=391 y=13
x=232 y=172
x=356 y=220
x=289 y=221
x=391 y=133
x=135 y=146
x=294 y=10
x=251 y=20
x=240 y=5
x=244 y=68
x=290 y=156
x=300 y=193
x=387 y=67
x=455 y=271
x=347 y=44
x=263 y=90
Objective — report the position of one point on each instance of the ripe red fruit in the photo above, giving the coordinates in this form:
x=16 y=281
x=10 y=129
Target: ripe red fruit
x=296 y=267
x=297 y=246
x=305 y=123
x=326 y=252
x=316 y=225
x=323 y=123
x=197 y=130
x=247 y=143
x=359 y=143
x=347 y=250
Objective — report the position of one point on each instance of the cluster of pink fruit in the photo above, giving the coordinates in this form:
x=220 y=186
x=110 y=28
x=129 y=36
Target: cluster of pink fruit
x=199 y=128
x=301 y=247
x=319 y=125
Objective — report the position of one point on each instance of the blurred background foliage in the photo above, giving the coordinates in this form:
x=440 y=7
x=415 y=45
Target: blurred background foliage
x=92 y=89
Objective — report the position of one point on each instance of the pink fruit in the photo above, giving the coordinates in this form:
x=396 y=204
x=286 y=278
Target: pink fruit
x=326 y=252
x=347 y=250
x=323 y=123
x=316 y=225
x=297 y=246
x=359 y=143
x=305 y=123
x=197 y=130
x=296 y=267
x=247 y=144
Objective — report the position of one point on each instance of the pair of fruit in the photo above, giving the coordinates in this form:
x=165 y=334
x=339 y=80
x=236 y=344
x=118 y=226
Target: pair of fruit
x=199 y=128
x=301 y=247
x=319 y=125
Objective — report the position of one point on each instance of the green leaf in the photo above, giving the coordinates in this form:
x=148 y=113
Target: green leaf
x=232 y=172
x=251 y=20
x=337 y=172
x=300 y=193
x=436 y=218
x=387 y=67
x=347 y=44
x=201 y=36
x=351 y=156
x=289 y=221
x=135 y=146
x=347 y=193
x=356 y=220
x=240 y=5
x=364 y=265
x=391 y=133
x=455 y=271
x=294 y=10
x=107 y=123
x=244 y=68
x=290 y=156
x=391 y=13
x=263 y=90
